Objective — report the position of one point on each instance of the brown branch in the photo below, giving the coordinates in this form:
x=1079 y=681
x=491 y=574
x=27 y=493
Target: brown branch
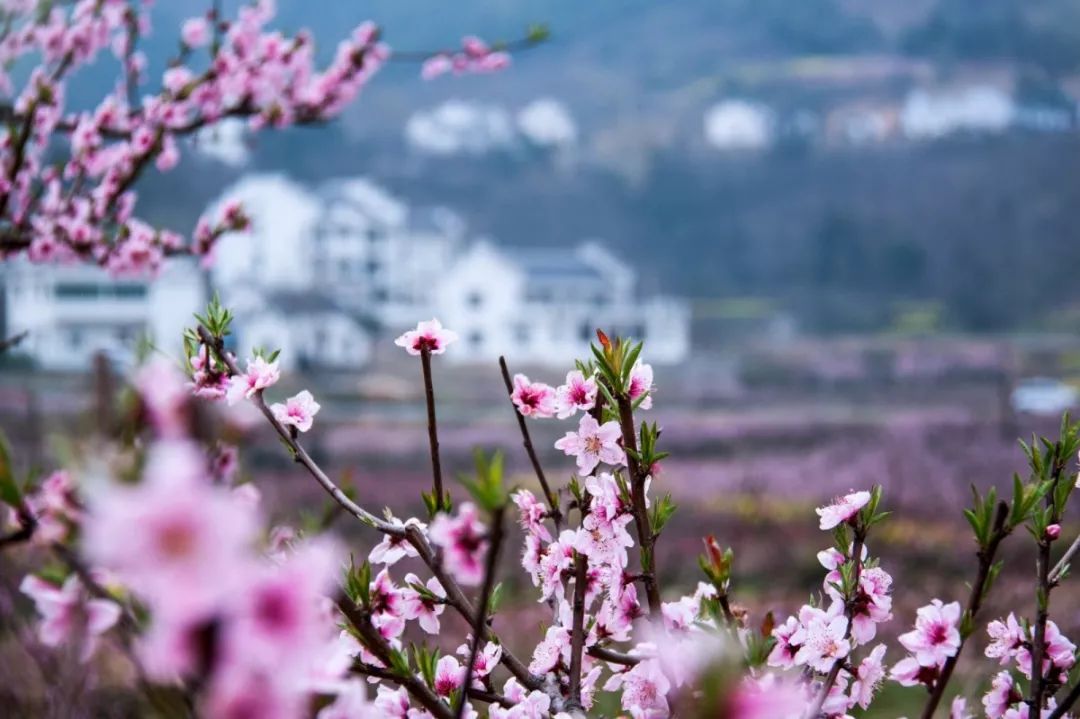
x=370 y=670
x=609 y=655
x=975 y=598
x=298 y=452
x=526 y=440
x=456 y=599
x=455 y=596
x=432 y=428
x=480 y=622
x=1043 y=589
x=849 y=610
x=374 y=641
x=577 y=635
x=13 y=341
x=646 y=540
x=1059 y=568
x=1067 y=703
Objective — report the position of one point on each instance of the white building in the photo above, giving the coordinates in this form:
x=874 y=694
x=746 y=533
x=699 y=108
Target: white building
x=73 y=312
x=325 y=273
x=544 y=306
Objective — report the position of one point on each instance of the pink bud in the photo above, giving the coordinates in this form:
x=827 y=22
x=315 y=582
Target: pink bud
x=1053 y=531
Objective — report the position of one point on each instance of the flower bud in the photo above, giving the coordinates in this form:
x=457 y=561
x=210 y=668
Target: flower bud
x=1053 y=532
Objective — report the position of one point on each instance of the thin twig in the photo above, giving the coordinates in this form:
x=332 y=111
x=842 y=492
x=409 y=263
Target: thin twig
x=1067 y=703
x=646 y=541
x=1043 y=589
x=432 y=428
x=455 y=596
x=370 y=670
x=480 y=622
x=552 y=499
x=978 y=590
x=577 y=634
x=1063 y=563
x=849 y=610
x=13 y=341
x=298 y=452
x=374 y=641
x=612 y=656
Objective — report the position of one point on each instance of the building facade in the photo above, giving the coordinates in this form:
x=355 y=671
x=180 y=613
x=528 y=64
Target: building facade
x=324 y=273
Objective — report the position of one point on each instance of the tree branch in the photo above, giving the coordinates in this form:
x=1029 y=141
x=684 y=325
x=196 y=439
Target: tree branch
x=13 y=341
x=978 y=590
x=432 y=428
x=646 y=541
x=849 y=610
x=480 y=622
x=526 y=441
x=374 y=641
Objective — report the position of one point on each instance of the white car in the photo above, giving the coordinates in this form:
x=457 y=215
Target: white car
x=1043 y=395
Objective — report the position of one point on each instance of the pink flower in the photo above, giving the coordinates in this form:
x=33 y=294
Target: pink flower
x=351 y=703
x=259 y=375
x=174 y=538
x=644 y=689
x=554 y=647
x=486 y=659
x=394 y=547
x=1053 y=531
x=195 y=32
x=641 y=384
x=392 y=703
x=1002 y=695
x=279 y=619
x=557 y=562
x=1006 y=638
x=958 y=709
x=55 y=508
x=161 y=388
x=593 y=443
x=532 y=513
x=298 y=411
x=579 y=392
x=868 y=676
x=1059 y=655
x=873 y=603
x=435 y=66
x=842 y=509
x=909 y=673
x=429 y=336
x=936 y=636
x=449 y=675
x=422 y=607
x=533 y=399
x=823 y=638
x=767 y=698
x=68 y=611
x=463 y=540
x=605 y=542
x=784 y=651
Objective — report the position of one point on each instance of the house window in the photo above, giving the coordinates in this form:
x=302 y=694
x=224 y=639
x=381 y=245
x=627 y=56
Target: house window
x=373 y=267
x=521 y=334
x=585 y=332
x=474 y=299
x=76 y=290
x=476 y=339
x=74 y=339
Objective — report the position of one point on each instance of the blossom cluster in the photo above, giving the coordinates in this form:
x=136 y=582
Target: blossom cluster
x=84 y=207
x=173 y=558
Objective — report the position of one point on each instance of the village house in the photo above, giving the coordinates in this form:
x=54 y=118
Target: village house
x=325 y=273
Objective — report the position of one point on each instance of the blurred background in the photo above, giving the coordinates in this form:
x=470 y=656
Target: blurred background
x=845 y=229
